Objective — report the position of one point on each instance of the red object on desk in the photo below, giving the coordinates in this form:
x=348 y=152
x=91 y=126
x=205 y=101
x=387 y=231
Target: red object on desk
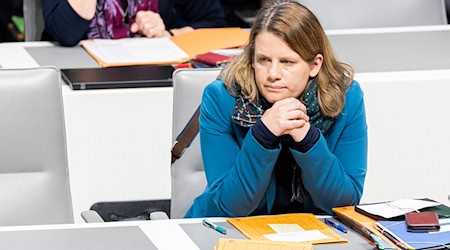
x=422 y=222
x=183 y=66
x=213 y=59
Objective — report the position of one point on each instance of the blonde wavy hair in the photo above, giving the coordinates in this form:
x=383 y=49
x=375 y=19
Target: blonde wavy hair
x=300 y=29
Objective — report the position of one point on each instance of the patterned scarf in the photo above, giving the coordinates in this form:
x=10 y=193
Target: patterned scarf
x=246 y=113
x=111 y=21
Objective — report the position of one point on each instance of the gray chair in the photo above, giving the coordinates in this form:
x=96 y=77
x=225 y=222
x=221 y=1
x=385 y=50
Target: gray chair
x=188 y=175
x=34 y=176
x=34 y=20
x=350 y=14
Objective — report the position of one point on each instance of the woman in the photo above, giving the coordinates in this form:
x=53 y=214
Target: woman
x=69 y=21
x=284 y=129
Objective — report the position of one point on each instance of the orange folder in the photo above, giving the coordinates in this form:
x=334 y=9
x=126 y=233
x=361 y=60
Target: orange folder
x=201 y=41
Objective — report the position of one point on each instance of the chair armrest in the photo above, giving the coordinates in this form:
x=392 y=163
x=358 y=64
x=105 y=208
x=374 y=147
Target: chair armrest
x=130 y=210
x=158 y=215
x=91 y=216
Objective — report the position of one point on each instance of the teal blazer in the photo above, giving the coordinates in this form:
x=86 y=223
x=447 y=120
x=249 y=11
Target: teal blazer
x=240 y=172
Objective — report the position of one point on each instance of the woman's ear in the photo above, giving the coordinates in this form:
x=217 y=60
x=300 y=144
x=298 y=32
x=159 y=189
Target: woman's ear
x=316 y=65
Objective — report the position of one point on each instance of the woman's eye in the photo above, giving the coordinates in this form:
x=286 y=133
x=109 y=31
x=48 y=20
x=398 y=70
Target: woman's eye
x=287 y=62
x=263 y=59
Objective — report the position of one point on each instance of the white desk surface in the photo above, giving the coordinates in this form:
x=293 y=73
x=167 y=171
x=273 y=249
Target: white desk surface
x=164 y=234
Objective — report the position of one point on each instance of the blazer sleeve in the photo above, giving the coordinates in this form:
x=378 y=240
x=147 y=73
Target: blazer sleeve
x=62 y=23
x=237 y=175
x=336 y=177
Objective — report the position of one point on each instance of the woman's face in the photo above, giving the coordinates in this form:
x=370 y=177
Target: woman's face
x=279 y=71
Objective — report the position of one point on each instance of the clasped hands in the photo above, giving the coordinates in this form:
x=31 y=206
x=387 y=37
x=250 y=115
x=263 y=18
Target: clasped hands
x=287 y=117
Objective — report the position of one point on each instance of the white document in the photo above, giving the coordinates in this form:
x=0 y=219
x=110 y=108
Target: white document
x=396 y=208
x=136 y=50
x=286 y=228
x=309 y=235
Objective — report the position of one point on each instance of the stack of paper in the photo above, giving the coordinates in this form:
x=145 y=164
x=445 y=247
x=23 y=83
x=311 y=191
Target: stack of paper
x=363 y=218
x=177 y=49
x=359 y=222
x=134 y=51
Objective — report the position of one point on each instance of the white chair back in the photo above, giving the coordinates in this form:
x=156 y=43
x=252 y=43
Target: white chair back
x=34 y=175
x=188 y=175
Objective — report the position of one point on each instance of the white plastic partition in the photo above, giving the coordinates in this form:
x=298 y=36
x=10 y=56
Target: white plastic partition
x=408 y=135
x=350 y=14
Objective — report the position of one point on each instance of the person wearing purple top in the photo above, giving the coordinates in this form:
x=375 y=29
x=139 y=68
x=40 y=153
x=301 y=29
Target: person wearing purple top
x=69 y=21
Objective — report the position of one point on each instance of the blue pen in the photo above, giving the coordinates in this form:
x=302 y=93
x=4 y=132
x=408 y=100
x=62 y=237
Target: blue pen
x=209 y=224
x=335 y=225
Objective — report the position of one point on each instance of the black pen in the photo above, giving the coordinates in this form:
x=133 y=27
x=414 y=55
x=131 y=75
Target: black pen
x=335 y=225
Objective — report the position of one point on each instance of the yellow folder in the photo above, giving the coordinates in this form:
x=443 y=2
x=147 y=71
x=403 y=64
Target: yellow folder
x=254 y=227
x=240 y=244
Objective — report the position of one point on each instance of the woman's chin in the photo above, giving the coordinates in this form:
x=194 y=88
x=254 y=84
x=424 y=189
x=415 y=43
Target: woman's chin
x=272 y=98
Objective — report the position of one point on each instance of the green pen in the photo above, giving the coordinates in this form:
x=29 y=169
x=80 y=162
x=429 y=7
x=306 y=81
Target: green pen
x=209 y=224
x=381 y=244
x=377 y=241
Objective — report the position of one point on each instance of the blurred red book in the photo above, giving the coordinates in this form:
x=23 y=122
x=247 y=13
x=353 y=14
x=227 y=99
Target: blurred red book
x=213 y=59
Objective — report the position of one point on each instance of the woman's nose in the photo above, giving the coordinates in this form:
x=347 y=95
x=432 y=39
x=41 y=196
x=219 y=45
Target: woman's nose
x=274 y=71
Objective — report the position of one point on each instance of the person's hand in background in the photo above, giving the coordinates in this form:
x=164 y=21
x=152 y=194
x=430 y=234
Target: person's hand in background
x=149 y=24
